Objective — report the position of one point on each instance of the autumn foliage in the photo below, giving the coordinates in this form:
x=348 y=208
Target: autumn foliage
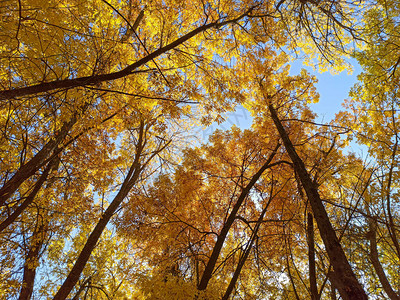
x=108 y=190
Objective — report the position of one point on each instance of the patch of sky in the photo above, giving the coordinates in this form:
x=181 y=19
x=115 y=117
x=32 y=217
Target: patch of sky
x=333 y=90
x=240 y=117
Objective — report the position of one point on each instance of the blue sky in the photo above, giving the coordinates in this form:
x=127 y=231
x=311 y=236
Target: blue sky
x=333 y=89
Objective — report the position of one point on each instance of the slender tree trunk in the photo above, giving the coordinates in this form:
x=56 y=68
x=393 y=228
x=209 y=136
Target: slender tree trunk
x=311 y=258
x=344 y=278
x=225 y=229
x=94 y=237
x=31 y=261
x=130 y=180
x=373 y=255
x=28 y=200
x=246 y=253
x=81 y=288
x=37 y=161
x=39 y=234
x=390 y=225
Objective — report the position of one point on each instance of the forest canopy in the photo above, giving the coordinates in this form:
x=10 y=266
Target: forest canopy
x=108 y=192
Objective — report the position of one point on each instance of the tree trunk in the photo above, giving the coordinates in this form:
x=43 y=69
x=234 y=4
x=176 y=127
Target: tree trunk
x=345 y=280
x=31 y=261
x=246 y=253
x=390 y=224
x=225 y=229
x=130 y=180
x=37 y=161
x=94 y=237
x=373 y=255
x=28 y=200
x=311 y=258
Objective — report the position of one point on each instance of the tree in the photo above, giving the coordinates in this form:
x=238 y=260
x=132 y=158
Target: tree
x=97 y=105
x=373 y=106
x=343 y=278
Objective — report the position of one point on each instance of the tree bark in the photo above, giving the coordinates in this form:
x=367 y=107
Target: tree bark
x=29 y=199
x=345 y=280
x=225 y=229
x=31 y=261
x=390 y=225
x=131 y=178
x=311 y=258
x=246 y=253
x=37 y=161
x=373 y=255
